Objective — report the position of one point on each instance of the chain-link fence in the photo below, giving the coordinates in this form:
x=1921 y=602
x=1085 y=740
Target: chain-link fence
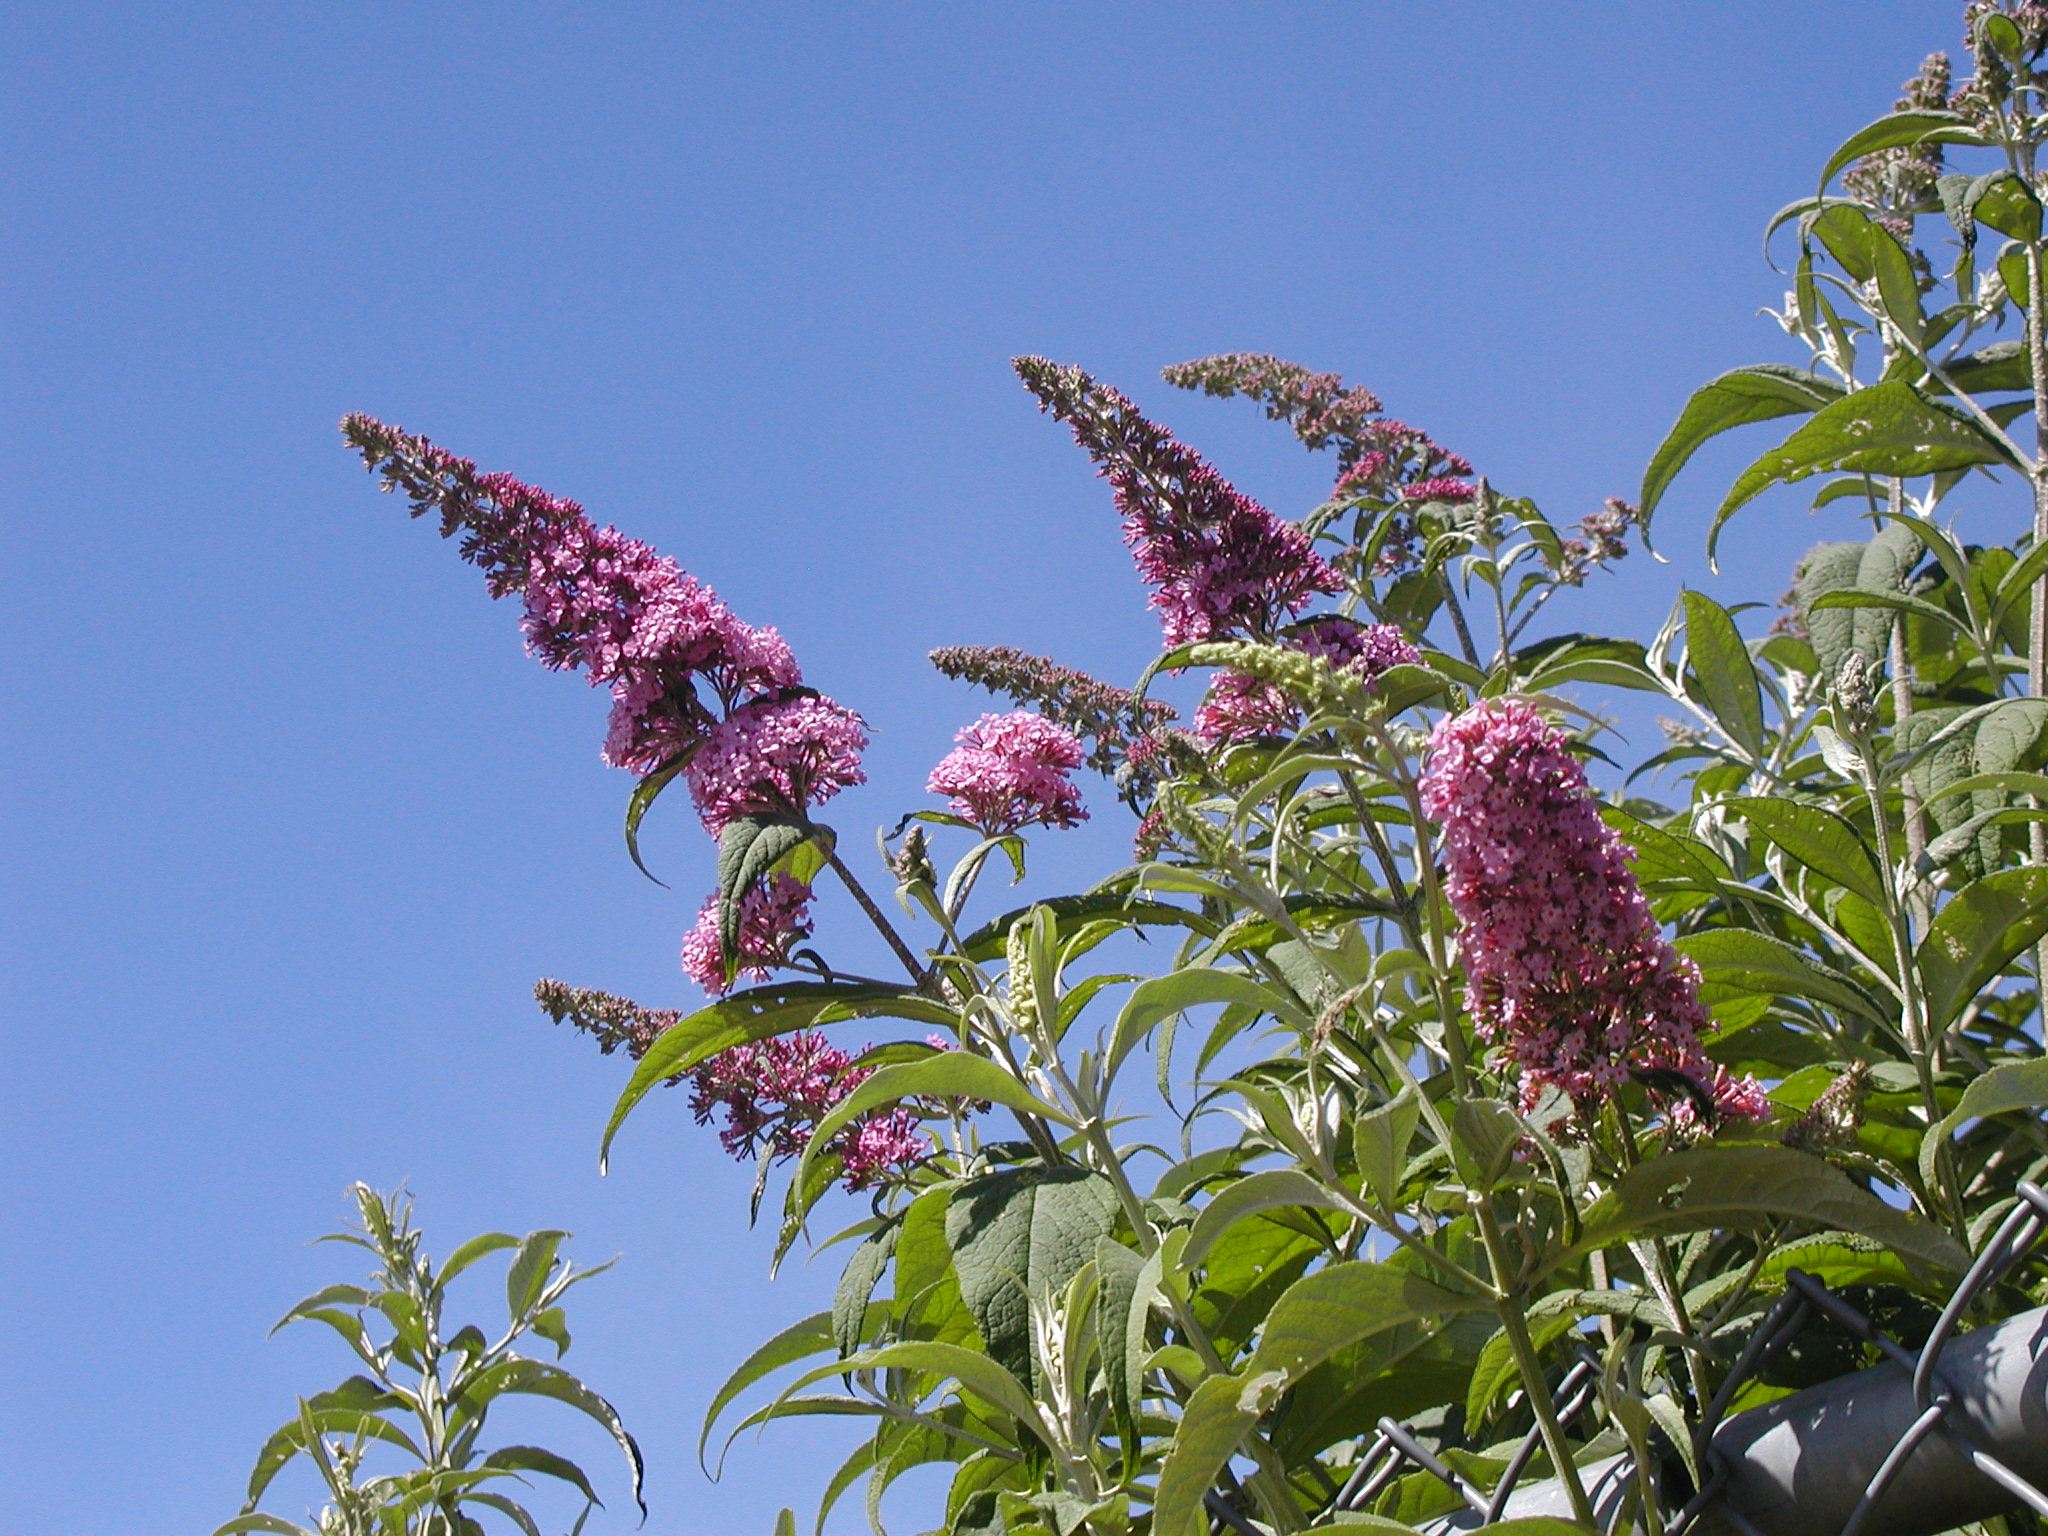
x=1935 y=1436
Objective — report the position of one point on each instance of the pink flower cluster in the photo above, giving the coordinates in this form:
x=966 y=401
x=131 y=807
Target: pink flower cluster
x=1239 y=707
x=1567 y=969
x=775 y=755
x=1010 y=771
x=689 y=680
x=773 y=916
x=772 y=1093
x=1220 y=563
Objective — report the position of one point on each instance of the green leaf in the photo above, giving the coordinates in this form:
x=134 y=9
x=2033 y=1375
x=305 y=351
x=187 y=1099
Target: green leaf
x=1887 y=429
x=946 y=1075
x=1817 y=838
x=1212 y=1426
x=1710 y=1187
x=1496 y=1371
x=291 y=1438
x=1120 y=1313
x=857 y=1284
x=1900 y=130
x=1726 y=676
x=974 y=1371
x=322 y=1299
x=1824 y=569
x=2011 y=1086
x=2000 y=366
x=795 y=1342
x=1379 y=1141
x=535 y=1378
x=785 y=1523
x=1018 y=1236
x=1745 y=960
x=1735 y=399
x=1070 y=912
x=528 y=1276
x=755 y=1014
x=1257 y=1192
x=644 y=795
x=1981 y=930
x=531 y=1458
x=476 y=1248
x=2001 y=201
x=753 y=846
x=1868 y=252
x=1161 y=997
x=553 y=1325
x=260 y=1522
x=1317 y=1316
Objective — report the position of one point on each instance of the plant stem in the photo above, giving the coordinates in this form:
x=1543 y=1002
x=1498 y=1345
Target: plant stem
x=1534 y=1385
x=918 y=974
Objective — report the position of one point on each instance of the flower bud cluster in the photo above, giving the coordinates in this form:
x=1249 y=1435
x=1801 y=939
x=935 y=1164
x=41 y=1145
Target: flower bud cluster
x=1109 y=717
x=1240 y=707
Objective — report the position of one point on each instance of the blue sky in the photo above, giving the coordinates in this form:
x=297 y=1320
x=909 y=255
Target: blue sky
x=291 y=825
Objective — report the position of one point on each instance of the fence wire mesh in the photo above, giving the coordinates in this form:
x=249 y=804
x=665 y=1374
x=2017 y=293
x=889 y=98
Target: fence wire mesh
x=1394 y=1448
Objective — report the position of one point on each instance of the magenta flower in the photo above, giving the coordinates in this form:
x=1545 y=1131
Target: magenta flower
x=773 y=916
x=771 y=1094
x=776 y=755
x=1221 y=564
x=596 y=601
x=1442 y=488
x=1240 y=707
x=1566 y=968
x=1010 y=771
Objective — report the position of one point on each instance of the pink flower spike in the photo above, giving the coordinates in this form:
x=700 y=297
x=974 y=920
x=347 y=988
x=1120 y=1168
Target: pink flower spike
x=1566 y=967
x=1010 y=771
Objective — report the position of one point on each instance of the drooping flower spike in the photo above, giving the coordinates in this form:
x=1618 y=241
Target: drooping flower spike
x=1220 y=564
x=1567 y=970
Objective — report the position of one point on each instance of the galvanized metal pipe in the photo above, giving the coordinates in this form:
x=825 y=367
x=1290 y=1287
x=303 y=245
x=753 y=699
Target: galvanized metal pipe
x=1799 y=1466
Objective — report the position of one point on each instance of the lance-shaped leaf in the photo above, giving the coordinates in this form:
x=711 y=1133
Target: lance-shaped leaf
x=1018 y=1236
x=1318 y=1316
x=1981 y=930
x=751 y=848
x=1870 y=254
x=1732 y=1186
x=1749 y=961
x=1901 y=130
x=2005 y=1088
x=1887 y=429
x=857 y=1287
x=1265 y=1191
x=534 y=1378
x=755 y=1014
x=645 y=793
x=1721 y=668
x=327 y=1413
x=1817 y=838
x=796 y=1342
x=528 y=1275
x=1736 y=399
x=1161 y=997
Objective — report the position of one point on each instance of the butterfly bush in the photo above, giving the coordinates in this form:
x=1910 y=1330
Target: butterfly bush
x=1567 y=969
x=1010 y=771
x=776 y=756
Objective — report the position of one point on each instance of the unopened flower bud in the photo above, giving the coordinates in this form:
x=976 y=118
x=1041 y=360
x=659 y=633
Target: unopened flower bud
x=912 y=863
x=1855 y=694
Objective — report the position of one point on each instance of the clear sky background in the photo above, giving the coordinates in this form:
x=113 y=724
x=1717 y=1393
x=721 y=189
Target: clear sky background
x=291 y=824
